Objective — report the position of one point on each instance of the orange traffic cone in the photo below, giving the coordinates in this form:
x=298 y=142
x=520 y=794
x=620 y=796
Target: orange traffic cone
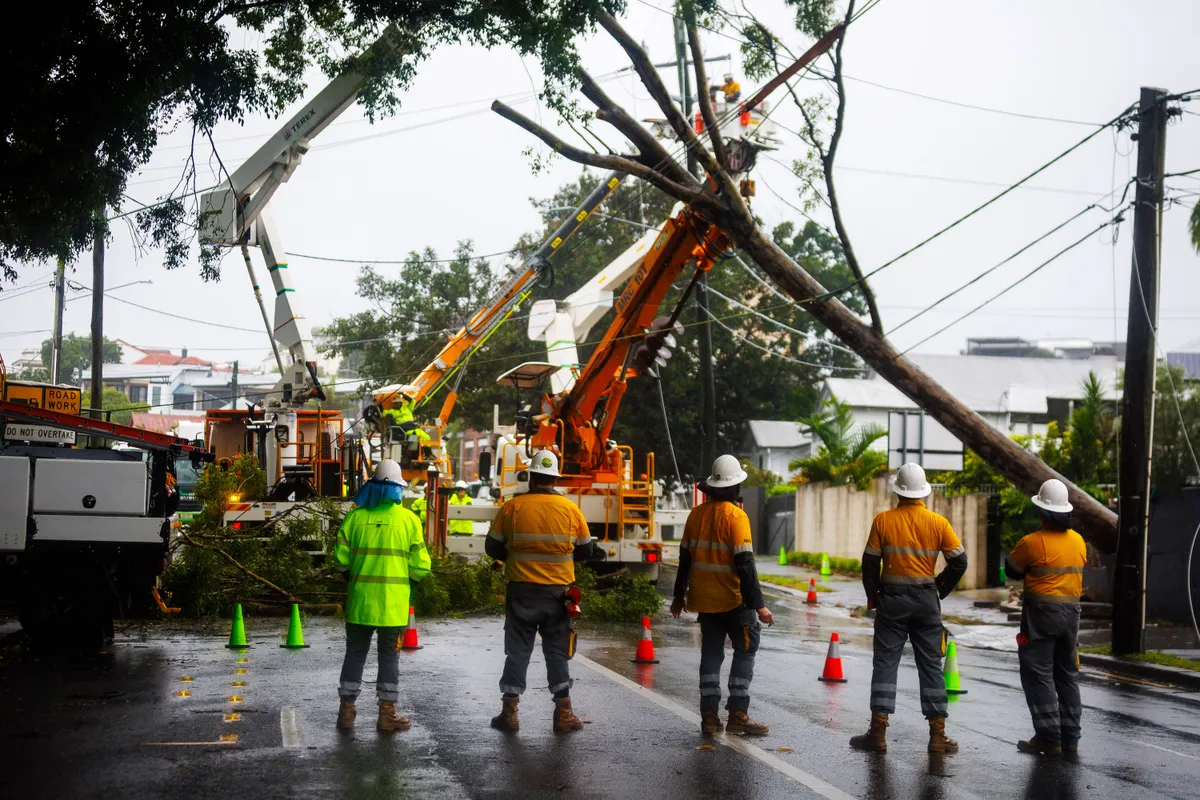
x=833 y=662
x=410 y=632
x=812 y=592
x=645 y=646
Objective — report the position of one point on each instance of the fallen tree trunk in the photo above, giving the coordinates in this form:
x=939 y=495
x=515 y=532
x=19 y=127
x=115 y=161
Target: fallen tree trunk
x=718 y=200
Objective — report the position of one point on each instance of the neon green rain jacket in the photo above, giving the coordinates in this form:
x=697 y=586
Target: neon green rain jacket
x=384 y=549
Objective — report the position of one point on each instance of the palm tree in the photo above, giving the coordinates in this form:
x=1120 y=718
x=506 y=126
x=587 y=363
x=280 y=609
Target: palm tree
x=845 y=455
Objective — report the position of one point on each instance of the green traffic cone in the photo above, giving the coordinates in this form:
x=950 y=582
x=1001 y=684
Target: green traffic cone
x=1003 y=575
x=953 y=681
x=782 y=556
x=295 y=636
x=825 y=571
x=237 y=634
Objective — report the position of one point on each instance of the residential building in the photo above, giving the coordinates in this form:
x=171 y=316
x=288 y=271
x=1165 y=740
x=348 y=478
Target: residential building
x=773 y=444
x=470 y=444
x=182 y=386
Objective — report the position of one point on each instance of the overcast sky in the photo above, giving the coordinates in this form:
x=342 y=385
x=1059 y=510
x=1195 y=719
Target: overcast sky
x=447 y=169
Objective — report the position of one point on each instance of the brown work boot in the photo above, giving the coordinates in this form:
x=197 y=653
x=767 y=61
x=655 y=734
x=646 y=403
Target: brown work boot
x=710 y=723
x=1040 y=747
x=388 y=719
x=740 y=722
x=875 y=739
x=507 y=719
x=564 y=719
x=939 y=742
x=346 y=715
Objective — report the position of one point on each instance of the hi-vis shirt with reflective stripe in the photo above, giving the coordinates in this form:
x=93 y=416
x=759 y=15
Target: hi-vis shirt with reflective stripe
x=909 y=537
x=1053 y=564
x=384 y=549
x=715 y=532
x=540 y=530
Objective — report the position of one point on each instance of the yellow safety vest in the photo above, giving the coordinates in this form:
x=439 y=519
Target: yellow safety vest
x=384 y=549
x=909 y=537
x=1053 y=563
x=715 y=532
x=460 y=527
x=540 y=531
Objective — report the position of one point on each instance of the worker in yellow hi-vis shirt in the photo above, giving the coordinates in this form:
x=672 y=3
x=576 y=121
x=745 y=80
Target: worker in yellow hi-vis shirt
x=898 y=574
x=538 y=535
x=1051 y=560
x=460 y=527
x=718 y=576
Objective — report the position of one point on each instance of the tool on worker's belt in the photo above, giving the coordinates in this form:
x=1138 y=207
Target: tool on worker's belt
x=571 y=600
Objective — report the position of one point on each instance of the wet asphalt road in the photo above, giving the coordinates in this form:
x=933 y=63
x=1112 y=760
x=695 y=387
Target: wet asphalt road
x=128 y=723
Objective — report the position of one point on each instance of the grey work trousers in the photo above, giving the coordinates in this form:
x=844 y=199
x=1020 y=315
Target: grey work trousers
x=1050 y=670
x=742 y=628
x=358 y=644
x=530 y=609
x=908 y=613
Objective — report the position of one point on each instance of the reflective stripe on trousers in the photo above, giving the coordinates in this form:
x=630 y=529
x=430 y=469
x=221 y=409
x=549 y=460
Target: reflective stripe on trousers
x=742 y=628
x=1050 y=671
x=358 y=645
x=902 y=615
x=531 y=609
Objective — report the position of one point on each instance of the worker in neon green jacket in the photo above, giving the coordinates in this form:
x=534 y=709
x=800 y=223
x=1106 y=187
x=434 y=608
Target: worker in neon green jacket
x=460 y=527
x=381 y=545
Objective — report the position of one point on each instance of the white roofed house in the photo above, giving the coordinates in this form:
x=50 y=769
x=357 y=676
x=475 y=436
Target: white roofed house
x=1016 y=395
x=772 y=444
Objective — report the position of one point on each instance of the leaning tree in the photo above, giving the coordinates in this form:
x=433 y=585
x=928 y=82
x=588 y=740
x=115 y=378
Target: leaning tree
x=717 y=199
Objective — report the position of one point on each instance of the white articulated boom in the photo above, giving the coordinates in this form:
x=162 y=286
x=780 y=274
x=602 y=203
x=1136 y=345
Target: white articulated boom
x=235 y=214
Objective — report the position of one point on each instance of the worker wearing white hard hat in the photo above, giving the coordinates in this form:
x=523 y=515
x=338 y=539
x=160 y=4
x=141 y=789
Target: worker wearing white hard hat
x=538 y=535
x=732 y=89
x=460 y=527
x=1050 y=561
x=718 y=580
x=382 y=548
x=898 y=574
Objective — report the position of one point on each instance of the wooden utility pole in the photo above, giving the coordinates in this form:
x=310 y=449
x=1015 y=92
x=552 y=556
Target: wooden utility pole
x=708 y=400
x=233 y=387
x=1137 y=403
x=60 y=292
x=97 y=401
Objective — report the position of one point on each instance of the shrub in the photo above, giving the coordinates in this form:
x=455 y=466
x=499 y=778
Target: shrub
x=813 y=560
x=620 y=599
x=460 y=587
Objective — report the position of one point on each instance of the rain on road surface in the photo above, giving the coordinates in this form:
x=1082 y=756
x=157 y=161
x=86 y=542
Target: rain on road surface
x=168 y=711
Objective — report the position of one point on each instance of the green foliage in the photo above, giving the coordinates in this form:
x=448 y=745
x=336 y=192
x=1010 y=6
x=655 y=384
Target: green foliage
x=1174 y=463
x=760 y=477
x=792 y=583
x=845 y=455
x=813 y=560
x=97 y=88
x=619 y=599
x=1018 y=516
x=216 y=485
x=1194 y=227
x=460 y=587
x=74 y=361
x=410 y=314
x=122 y=408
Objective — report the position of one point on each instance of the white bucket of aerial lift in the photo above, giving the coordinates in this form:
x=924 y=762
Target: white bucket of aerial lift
x=910 y=482
x=726 y=471
x=1053 y=497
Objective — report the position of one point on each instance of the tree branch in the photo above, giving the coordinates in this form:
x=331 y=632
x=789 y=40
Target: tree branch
x=239 y=566
x=649 y=75
x=651 y=150
x=831 y=191
x=688 y=194
x=706 y=109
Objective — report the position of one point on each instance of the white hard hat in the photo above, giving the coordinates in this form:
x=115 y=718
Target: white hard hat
x=726 y=471
x=1053 y=497
x=544 y=463
x=910 y=482
x=389 y=471
x=460 y=485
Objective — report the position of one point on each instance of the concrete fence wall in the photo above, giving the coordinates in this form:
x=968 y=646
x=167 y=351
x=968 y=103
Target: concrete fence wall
x=837 y=520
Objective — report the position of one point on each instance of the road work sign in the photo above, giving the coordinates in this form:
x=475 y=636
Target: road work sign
x=18 y=432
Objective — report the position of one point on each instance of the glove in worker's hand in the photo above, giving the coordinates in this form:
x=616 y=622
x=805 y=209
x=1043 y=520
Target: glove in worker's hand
x=678 y=606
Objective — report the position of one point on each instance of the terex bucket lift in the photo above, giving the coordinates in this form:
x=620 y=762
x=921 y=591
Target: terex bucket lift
x=416 y=454
x=235 y=215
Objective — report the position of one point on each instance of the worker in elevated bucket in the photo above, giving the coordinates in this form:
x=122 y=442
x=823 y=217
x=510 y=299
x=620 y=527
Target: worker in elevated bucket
x=460 y=527
x=538 y=535
x=718 y=576
x=381 y=544
x=1051 y=561
x=898 y=574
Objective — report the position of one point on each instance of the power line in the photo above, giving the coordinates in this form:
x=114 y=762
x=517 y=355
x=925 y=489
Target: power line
x=402 y=262
x=806 y=336
x=777 y=354
x=992 y=269
x=186 y=319
x=1017 y=282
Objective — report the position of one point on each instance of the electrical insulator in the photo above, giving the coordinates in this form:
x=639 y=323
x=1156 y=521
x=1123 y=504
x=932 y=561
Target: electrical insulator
x=654 y=352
